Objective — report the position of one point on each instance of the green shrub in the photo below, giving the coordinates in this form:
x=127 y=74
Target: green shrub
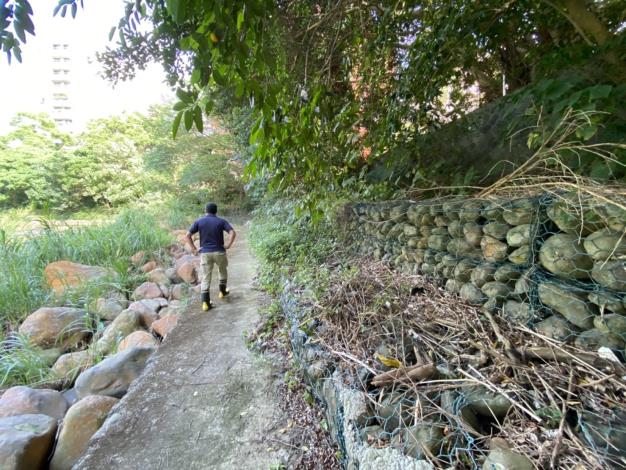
x=291 y=248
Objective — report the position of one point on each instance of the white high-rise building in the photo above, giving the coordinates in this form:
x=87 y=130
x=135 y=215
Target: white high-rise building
x=60 y=99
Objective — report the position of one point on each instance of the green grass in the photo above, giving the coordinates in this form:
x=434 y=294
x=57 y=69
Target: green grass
x=22 y=363
x=22 y=285
x=24 y=219
x=290 y=248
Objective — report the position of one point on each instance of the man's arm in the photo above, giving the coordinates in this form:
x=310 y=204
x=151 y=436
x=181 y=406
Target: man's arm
x=231 y=240
x=189 y=238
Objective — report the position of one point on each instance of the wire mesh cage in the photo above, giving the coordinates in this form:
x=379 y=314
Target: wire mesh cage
x=485 y=333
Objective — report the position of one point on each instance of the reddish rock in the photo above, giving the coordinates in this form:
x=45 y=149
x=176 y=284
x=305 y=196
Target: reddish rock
x=181 y=236
x=25 y=400
x=165 y=289
x=138 y=338
x=138 y=257
x=147 y=290
x=26 y=441
x=55 y=326
x=195 y=260
x=63 y=275
x=148 y=309
x=149 y=266
x=165 y=325
x=179 y=291
x=68 y=366
x=81 y=422
x=188 y=272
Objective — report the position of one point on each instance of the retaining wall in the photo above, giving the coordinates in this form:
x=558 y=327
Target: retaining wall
x=553 y=262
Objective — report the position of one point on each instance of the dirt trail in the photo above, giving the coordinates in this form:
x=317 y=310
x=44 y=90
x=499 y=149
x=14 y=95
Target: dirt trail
x=204 y=401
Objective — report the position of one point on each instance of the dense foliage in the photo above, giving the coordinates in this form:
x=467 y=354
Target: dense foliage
x=116 y=161
x=337 y=86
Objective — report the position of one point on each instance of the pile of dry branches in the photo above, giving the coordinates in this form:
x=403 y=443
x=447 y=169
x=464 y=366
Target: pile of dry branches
x=565 y=404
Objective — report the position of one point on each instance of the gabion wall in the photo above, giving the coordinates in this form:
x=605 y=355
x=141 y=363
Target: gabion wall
x=554 y=262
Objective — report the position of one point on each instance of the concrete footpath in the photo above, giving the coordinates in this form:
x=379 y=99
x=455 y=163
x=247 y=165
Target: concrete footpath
x=204 y=401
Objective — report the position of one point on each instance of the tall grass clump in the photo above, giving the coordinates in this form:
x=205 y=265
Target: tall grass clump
x=23 y=363
x=22 y=285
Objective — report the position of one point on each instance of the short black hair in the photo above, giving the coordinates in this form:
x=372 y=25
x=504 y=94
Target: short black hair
x=211 y=208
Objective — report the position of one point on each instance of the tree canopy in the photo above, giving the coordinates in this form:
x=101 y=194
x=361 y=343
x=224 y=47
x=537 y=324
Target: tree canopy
x=337 y=85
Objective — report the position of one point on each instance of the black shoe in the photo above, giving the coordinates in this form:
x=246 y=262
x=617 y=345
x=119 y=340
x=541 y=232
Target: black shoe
x=206 y=301
x=223 y=290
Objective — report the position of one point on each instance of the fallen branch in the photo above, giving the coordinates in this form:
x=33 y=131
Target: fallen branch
x=413 y=373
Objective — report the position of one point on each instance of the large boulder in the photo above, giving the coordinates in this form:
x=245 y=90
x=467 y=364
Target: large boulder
x=187 y=267
x=564 y=255
x=502 y=458
x=613 y=323
x=126 y=322
x=55 y=326
x=575 y=216
x=519 y=235
x=568 y=302
x=179 y=291
x=487 y=403
x=138 y=339
x=497 y=230
x=483 y=273
x=472 y=294
x=158 y=276
x=423 y=439
x=25 y=400
x=68 y=366
x=108 y=308
x=611 y=274
x=521 y=256
x=556 y=327
x=81 y=422
x=605 y=244
x=520 y=211
x=147 y=290
x=64 y=275
x=607 y=301
x=165 y=325
x=113 y=376
x=26 y=441
x=594 y=339
x=493 y=250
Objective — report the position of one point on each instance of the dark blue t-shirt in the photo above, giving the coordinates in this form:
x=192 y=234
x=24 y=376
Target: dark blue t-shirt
x=211 y=229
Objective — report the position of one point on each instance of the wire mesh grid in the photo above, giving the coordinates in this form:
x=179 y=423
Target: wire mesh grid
x=486 y=333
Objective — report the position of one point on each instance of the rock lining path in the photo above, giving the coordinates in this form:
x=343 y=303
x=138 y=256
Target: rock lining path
x=204 y=401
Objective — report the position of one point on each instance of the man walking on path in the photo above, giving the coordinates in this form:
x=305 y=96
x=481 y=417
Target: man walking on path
x=212 y=251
